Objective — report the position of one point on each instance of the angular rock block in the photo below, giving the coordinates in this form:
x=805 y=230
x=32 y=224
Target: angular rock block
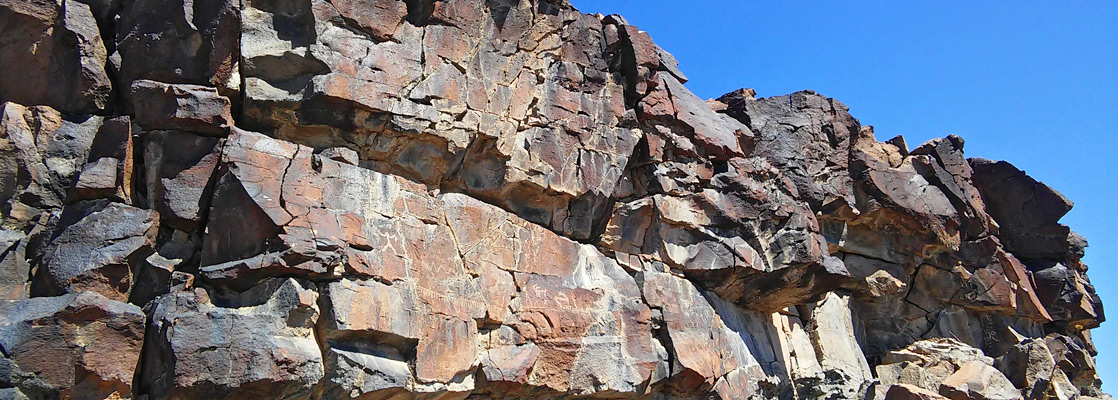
x=53 y=56
x=101 y=251
x=180 y=168
x=191 y=42
x=76 y=346
x=108 y=169
x=259 y=343
x=191 y=108
x=43 y=154
x=546 y=139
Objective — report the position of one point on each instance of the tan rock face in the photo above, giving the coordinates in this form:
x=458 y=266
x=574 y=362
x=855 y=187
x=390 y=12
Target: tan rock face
x=385 y=199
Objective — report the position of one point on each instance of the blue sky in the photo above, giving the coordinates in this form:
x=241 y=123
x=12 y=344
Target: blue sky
x=1034 y=83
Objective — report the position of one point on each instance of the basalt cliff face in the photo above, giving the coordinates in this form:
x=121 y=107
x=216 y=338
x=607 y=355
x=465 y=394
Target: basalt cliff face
x=386 y=199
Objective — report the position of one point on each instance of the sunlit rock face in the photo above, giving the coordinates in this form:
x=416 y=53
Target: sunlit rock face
x=422 y=199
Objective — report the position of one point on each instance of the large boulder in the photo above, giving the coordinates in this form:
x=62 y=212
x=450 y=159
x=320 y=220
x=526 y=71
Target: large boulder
x=42 y=155
x=179 y=176
x=109 y=167
x=259 y=343
x=190 y=108
x=53 y=56
x=1027 y=211
x=423 y=274
x=977 y=380
x=192 y=42
x=927 y=363
x=513 y=102
x=77 y=346
x=99 y=251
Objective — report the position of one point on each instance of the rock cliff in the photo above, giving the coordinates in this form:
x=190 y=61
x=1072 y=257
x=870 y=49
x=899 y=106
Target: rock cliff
x=425 y=199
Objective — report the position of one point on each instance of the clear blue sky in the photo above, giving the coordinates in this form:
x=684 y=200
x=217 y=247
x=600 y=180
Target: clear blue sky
x=1034 y=83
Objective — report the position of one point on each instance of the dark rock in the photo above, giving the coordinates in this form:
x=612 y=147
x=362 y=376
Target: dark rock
x=180 y=174
x=53 y=56
x=1068 y=295
x=192 y=42
x=109 y=167
x=1027 y=211
x=191 y=108
x=99 y=252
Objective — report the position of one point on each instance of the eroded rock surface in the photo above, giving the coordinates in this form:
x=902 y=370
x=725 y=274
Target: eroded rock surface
x=385 y=199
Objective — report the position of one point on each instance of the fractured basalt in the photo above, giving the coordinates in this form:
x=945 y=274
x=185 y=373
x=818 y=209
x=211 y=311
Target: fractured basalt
x=385 y=199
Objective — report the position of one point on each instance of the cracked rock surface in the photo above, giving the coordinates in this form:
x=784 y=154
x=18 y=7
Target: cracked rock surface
x=474 y=199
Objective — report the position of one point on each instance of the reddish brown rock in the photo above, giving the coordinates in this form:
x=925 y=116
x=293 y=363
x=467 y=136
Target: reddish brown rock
x=501 y=199
x=909 y=392
x=77 y=346
x=458 y=125
x=690 y=323
x=54 y=56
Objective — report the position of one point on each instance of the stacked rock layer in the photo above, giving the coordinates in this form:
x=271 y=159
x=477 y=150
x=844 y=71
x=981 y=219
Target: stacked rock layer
x=386 y=199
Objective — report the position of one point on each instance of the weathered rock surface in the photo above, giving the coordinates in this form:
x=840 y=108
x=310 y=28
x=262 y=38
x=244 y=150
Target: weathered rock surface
x=385 y=199
x=100 y=252
x=76 y=346
x=53 y=56
x=257 y=343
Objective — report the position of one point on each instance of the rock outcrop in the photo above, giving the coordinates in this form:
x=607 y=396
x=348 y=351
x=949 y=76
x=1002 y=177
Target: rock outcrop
x=373 y=199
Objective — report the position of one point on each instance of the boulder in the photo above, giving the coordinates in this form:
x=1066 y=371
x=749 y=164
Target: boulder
x=191 y=108
x=180 y=168
x=259 y=343
x=42 y=155
x=977 y=380
x=909 y=392
x=109 y=167
x=927 y=363
x=191 y=42
x=53 y=56
x=76 y=346
x=100 y=251
x=1027 y=211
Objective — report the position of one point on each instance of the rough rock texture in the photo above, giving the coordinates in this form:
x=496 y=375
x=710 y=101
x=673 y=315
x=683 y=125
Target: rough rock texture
x=76 y=346
x=53 y=55
x=386 y=199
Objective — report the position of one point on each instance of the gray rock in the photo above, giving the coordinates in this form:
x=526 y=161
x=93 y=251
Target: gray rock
x=259 y=343
x=99 y=252
x=41 y=155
